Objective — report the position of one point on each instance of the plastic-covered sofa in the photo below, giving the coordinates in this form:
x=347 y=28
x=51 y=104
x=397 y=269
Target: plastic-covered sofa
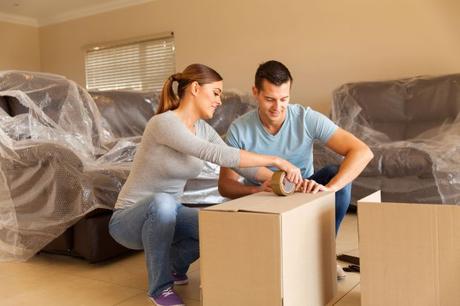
x=64 y=156
x=413 y=128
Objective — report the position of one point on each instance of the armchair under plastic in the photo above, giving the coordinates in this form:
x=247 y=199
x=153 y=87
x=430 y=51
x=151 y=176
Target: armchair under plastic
x=41 y=186
x=413 y=128
x=50 y=135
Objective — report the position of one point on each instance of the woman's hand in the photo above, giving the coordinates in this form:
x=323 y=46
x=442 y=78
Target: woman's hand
x=293 y=174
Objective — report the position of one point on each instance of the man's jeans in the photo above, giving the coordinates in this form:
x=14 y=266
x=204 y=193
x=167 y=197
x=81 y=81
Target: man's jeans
x=166 y=230
x=342 y=197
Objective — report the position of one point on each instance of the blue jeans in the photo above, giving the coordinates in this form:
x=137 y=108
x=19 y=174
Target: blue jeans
x=342 y=197
x=166 y=230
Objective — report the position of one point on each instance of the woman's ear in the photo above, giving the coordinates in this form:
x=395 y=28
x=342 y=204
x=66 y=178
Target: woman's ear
x=195 y=88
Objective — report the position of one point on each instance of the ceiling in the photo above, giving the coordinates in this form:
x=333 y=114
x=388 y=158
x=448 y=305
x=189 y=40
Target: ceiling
x=43 y=12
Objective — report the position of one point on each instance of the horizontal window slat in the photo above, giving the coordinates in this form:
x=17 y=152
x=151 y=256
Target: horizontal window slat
x=129 y=54
x=119 y=70
x=140 y=66
x=151 y=63
x=108 y=76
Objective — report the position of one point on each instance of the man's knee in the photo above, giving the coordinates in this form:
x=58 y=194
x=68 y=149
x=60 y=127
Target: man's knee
x=343 y=197
x=346 y=190
x=325 y=174
x=331 y=170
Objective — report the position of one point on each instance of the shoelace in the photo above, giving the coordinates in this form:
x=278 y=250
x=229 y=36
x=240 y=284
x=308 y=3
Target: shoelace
x=167 y=292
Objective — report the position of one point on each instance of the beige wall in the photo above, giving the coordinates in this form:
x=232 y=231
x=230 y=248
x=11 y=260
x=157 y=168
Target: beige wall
x=19 y=47
x=324 y=43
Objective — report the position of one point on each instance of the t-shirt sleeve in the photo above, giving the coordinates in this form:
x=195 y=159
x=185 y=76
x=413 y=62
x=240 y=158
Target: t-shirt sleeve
x=319 y=126
x=232 y=138
x=171 y=132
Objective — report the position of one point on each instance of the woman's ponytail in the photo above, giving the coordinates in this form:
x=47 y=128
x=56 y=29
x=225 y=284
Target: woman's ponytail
x=168 y=99
x=200 y=73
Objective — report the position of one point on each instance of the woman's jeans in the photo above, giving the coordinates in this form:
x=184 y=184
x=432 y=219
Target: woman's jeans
x=342 y=197
x=166 y=230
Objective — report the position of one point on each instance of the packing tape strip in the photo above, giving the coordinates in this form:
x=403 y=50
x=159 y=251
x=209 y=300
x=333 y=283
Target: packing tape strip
x=280 y=185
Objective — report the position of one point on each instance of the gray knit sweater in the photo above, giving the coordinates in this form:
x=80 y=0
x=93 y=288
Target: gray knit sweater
x=169 y=154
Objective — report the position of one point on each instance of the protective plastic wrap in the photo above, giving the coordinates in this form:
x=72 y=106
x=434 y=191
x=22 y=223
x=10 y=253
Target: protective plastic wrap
x=58 y=160
x=65 y=152
x=413 y=128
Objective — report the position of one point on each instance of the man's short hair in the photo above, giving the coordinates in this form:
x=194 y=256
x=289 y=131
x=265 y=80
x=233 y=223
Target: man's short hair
x=272 y=71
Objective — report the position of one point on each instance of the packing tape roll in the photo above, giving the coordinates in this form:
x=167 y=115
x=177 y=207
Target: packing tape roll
x=280 y=185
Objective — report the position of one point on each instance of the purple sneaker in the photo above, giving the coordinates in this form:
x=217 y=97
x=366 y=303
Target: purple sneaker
x=167 y=297
x=180 y=279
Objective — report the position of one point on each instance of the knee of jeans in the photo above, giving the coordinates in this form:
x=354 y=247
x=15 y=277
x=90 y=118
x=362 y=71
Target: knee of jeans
x=345 y=191
x=331 y=170
x=119 y=234
x=164 y=207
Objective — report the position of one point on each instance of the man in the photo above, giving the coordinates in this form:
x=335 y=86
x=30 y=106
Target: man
x=288 y=130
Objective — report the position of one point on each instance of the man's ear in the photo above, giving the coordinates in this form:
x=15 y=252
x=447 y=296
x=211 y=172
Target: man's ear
x=255 y=91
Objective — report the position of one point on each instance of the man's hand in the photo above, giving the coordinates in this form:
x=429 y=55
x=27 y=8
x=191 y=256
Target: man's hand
x=310 y=186
x=266 y=186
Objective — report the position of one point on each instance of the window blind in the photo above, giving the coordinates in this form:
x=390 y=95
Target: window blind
x=141 y=65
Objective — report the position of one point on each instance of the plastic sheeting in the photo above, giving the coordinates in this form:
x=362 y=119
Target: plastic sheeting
x=59 y=160
x=64 y=154
x=413 y=128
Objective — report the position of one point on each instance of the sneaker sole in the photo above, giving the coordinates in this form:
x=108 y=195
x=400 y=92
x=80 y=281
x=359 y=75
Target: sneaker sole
x=181 y=283
x=155 y=303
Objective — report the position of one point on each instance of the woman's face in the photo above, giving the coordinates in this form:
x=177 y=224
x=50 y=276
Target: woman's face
x=208 y=98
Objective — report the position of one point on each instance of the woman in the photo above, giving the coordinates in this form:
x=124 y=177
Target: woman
x=175 y=142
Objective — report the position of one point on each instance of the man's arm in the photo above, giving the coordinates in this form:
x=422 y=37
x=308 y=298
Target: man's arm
x=231 y=187
x=357 y=155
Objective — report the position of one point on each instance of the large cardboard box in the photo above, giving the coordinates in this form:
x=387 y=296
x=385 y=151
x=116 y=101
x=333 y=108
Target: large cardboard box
x=409 y=253
x=268 y=250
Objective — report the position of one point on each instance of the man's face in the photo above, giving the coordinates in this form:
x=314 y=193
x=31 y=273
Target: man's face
x=273 y=101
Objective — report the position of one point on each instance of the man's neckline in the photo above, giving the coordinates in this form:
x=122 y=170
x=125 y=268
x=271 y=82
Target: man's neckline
x=266 y=128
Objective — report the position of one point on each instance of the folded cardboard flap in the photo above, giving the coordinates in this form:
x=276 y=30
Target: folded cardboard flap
x=268 y=202
x=375 y=197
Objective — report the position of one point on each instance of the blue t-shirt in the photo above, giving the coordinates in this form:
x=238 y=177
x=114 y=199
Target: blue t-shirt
x=293 y=142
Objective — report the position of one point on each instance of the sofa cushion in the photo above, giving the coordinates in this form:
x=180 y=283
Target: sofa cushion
x=416 y=128
x=126 y=112
x=62 y=244
x=4 y=105
x=397 y=162
x=16 y=108
x=378 y=100
x=233 y=106
x=92 y=240
x=393 y=129
x=433 y=99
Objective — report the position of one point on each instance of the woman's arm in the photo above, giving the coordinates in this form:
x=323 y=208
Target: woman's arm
x=257 y=163
x=250 y=159
x=167 y=129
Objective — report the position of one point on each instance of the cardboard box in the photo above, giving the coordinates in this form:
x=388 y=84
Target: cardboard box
x=409 y=253
x=268 y=250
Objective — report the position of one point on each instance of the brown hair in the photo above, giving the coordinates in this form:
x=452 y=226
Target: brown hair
x=202 y=74
x=274 y=72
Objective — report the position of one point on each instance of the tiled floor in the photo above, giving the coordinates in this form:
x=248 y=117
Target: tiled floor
x=60 y=280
